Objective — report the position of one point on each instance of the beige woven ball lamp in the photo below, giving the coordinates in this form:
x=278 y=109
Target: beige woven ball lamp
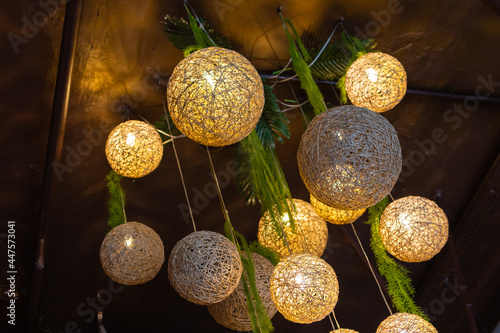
x=204 y=267
x=349 y=157
x=413 y=229
x=134 y=149
x=309 y=234
x=344 y=330
x=405 y=322
x=232 y=312
x=334 y=215
x=304 y=288
x=215 y=96
x=132 y=253
x=376 y=81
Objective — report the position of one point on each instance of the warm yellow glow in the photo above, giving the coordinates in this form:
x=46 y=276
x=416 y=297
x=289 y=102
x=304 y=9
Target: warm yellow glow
x=130 y=139
x=129 y=241
x=372 y=74
x=335 y=215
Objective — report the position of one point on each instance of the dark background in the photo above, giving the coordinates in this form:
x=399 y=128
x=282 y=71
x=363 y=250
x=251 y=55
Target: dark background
x=445 y=46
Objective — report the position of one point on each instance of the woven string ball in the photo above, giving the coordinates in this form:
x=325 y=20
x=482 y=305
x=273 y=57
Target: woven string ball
x=215 y=96
x=344 y=330
x=349 y=157
x=413 y=229
x=132 y=253
x=204 y=267
x=376 y=81
x=309 y=233
x=405 y=322
x=304 y=288
x=334 y=215
x=232 y=312
x=134 y=149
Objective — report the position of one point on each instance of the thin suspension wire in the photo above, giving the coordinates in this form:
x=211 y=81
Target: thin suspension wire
x=327 y=41
x=123 y=205
x=331 y=321
x=333 y=313
x=180 y=169
x=300 y=105
x=335 y=92
x=199 y=22
x=371 y=269
x=226 y=213
x=390 y=195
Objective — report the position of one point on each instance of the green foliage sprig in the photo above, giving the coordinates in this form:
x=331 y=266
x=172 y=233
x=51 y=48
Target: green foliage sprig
x=300 y=57
x=116 y=201
x=256 y=310
x=397 y=276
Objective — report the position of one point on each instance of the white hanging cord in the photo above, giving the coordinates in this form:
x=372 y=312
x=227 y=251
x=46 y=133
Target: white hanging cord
x=123 y=205
x=371 y=269
x=333 y=314
x=180 y=169
x=300 y=106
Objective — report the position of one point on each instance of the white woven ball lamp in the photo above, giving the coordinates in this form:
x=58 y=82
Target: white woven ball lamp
x=232 y=312
x=405 y=322
x=349 y=157
x=134 y=149
x=376 y=81
x=413 y=229
x=304 y=288
x=215 y=96
x=132 y=253
x=204 y=267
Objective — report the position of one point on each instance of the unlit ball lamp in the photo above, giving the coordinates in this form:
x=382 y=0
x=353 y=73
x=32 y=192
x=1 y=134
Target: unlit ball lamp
x=335 y=215
x=204 y=267
x=376 y=81
x=232 y=312
x=304 y=288
x=413 y=229
x=215 y=96
x=134 y=149
x=405 y=322
x=132 y=253
x=309 y=233
x=349 y=157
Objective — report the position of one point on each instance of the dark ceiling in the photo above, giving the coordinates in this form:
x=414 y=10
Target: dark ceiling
x=449 y=47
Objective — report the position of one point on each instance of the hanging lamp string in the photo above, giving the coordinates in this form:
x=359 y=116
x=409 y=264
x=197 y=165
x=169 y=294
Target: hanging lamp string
x=390 y=196
x=123 y=205
x=371 y=269
x=331 y=321
x=300 y=105
x=179 y=166
x=226 y=217
x=333 y=314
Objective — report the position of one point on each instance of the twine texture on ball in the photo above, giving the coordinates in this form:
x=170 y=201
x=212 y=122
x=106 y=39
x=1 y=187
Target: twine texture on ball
x=304 y=288
x=376 y=81
x=204 y=267
x=232 y=312
x=334 y=215
x=134 y=149
x=344 y=330
x=132 y=253
x=309 y=233
x=413 y=229
x=349 y=157
x=405 y=322
x=215 y=96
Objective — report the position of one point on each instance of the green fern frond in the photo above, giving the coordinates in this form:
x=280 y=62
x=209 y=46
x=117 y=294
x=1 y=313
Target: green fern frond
x=116 y=195
x=399 y=284
x=273 y=123
x=266 y=252
x=179 y=32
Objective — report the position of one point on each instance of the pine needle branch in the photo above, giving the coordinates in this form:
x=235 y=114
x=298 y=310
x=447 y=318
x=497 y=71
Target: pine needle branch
x=116 y=201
